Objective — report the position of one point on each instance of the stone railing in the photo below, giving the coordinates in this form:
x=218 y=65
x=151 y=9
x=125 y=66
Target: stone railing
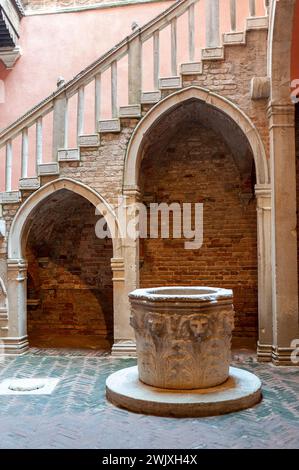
x=152 y=58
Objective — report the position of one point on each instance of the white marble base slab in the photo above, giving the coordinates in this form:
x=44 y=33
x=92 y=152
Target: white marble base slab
x=242 y=390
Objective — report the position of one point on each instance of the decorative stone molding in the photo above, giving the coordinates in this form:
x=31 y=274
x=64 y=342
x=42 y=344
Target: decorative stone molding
x=109 y=125
x=68 y=155
x=69 y=6
x=130 y=111
x=10 y=197
x=183 y=336
x=132 y=192
x=9 y=56
x=47 y=169
x=29 y=183
x=124 y=349
x=17 y=269
x=281 y=115
x=260 y=88
x=15 y=345
x=282 y=356
x=191 y=68
x=118 y=269
x=169 y=83
x=212 y=53
x=264 y=352
x=89 y=140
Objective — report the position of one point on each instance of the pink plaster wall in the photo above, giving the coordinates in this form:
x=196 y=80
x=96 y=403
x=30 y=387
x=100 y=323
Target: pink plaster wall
x=63 y=44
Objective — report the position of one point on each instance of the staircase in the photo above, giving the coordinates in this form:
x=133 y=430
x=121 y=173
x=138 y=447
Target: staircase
x=122 y=85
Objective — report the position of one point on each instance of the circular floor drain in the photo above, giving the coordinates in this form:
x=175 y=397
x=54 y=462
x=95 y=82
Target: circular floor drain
x=25 y=386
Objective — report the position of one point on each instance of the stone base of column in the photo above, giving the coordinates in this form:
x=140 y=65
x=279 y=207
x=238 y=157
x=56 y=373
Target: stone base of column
x=124 y=348
x=14 y=346
x=283 y=357
x=264 y=352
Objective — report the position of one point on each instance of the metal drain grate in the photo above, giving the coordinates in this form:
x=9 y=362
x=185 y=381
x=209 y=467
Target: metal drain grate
x=43 y=386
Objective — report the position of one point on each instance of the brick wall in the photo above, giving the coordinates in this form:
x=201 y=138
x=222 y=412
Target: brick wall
x=69 y=271
x=196 y=166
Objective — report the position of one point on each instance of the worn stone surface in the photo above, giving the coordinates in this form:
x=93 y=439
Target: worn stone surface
x=240 y=391
x=183 y=341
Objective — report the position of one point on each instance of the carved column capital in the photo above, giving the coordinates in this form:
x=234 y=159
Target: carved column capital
x=118 y=269
x=281 y=115
x=17 y=269
x=132 y=192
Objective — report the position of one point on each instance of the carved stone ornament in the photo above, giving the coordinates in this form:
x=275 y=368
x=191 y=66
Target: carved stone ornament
x=183 y=336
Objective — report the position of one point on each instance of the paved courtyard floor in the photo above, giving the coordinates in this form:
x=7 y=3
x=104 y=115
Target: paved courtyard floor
x=77 y=415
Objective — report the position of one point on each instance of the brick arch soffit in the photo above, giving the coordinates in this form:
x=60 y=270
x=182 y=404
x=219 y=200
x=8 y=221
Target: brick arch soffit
x=135 y=148
x=21 y=224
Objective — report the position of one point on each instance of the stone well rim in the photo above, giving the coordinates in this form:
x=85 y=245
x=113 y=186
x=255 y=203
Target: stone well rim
x=199 y=294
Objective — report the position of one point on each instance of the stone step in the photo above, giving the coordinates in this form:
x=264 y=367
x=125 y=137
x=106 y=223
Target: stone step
x=191 y=68
x=68 y=155
x=130 y=111
x=212 y=53
x=48 y=169
x=109 y=125
x=29 y=183
x=89 y=140
x=234 y=38
x=170 y=83
x=150 y=97
x=10 y=197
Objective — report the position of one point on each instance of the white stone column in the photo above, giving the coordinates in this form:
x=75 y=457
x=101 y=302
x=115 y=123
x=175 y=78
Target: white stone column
x=284 y=231
x=265 y=323
x=17 y=341
x=124 y=342
x=124 y=337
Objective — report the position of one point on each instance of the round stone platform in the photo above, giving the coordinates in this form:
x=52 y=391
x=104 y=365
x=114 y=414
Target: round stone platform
x=242 y=390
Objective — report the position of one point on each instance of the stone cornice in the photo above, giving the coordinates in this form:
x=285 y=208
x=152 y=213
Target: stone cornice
x=92 y=6
x=281 y=115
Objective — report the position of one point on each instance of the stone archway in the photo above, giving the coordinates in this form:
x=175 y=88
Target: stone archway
x=134 y=152
x=17 y=264
x=239 y=119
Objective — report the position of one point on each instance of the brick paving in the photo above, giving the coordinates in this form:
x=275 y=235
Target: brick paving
x=77 y=414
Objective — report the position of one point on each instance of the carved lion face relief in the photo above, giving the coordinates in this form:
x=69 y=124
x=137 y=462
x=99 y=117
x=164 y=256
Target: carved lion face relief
x=198 y=326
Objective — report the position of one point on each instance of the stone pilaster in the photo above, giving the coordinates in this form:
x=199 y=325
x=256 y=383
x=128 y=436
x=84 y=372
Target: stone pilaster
x=284 y=232
x=124 y=337
x=265 y=335
x=17 y=341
